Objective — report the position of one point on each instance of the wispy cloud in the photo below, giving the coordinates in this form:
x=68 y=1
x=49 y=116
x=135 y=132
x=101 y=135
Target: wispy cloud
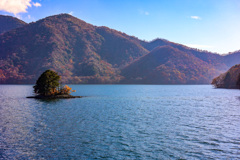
x=142 y=12
x=200 y=46
x=37 y=4
x=18 y=16
x=29 y=18
x=17 y=6
x=196 y=17
x=146 y=13
x=71 y=13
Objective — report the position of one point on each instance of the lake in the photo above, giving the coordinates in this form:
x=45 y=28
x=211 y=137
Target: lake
x=121 y=122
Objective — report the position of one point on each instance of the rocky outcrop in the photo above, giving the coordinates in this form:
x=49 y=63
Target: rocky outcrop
x=229 y=79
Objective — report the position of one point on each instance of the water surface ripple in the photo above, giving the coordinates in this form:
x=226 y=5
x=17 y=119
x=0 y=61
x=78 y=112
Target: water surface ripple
x=121 y=122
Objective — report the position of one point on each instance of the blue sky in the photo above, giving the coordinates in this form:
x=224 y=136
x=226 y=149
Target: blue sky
x=212 y=25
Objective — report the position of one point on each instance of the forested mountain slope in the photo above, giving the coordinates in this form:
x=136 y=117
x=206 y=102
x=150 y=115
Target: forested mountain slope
x=84 y=53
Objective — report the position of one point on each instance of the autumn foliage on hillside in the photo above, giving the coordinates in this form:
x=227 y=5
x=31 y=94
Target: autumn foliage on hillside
x=78 y=51
x=168 y=65
x=83 y=53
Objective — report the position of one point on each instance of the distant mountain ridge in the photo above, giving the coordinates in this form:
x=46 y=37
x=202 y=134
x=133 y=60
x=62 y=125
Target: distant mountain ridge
x=168 y=65
x=84 y=53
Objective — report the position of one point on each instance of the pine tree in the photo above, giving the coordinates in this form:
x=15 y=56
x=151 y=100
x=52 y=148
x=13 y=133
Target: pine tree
x=47 y=84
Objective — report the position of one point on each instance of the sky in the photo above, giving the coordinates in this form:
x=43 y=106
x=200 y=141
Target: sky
x=212 y=25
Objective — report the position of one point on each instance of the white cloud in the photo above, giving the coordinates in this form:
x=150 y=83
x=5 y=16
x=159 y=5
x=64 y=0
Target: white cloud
x=37 y=4
x=16 y=6
x=200 y=46
x=29 y=16
x=71 y=13
x=196 y=17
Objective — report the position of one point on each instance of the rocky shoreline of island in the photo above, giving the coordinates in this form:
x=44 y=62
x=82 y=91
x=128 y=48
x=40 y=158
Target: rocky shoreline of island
x=54 y=97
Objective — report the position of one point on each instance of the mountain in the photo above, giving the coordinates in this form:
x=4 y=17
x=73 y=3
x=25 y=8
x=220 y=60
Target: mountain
x=212 y=58
x=8 y=23
x=80 y=52
x=229 y=79
x=84 y=53
x=168 y=65
x=232 y=58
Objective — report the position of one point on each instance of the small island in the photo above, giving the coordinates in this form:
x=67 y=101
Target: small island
x=48 y=87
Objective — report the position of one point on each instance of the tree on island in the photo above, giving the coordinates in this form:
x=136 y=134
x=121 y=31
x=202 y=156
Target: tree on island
x=48 y=84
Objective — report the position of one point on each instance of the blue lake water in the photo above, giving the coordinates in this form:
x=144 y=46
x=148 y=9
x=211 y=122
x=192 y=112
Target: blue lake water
x=121 y=122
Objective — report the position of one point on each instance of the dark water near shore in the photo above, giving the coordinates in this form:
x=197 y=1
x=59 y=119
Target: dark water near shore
x=121 y=122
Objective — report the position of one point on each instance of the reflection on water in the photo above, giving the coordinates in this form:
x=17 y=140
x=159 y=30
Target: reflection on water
x=49 y=101
x=238 y=98
x=121 y=122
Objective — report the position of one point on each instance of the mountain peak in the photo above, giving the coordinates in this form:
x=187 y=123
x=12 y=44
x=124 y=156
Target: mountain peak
x=8 y=23
x=63 y=18
x=62 y=15
x=158 y=40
